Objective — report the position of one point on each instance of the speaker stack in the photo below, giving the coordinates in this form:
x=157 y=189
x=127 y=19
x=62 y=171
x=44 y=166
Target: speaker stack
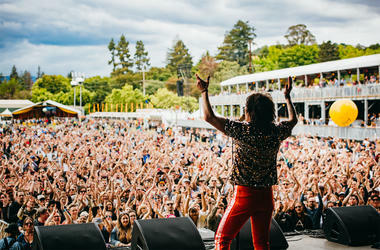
x=73 y=237
x=154 y=234
x=166 y=234
x=354 y=226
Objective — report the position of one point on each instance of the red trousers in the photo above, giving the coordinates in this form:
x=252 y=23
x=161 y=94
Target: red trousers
x=254 y=203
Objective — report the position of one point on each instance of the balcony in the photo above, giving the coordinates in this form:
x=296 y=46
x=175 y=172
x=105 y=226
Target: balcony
x=358 y=92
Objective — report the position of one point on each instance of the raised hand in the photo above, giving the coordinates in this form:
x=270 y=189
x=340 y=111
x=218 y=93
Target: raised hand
x=288 y=87
x=202 y=84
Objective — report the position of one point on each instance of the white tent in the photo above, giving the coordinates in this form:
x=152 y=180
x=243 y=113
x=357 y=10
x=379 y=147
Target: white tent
x=6 y=113
x=199 y=114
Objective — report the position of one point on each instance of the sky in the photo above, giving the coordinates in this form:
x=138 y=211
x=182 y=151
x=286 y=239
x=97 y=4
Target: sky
x=65 y=35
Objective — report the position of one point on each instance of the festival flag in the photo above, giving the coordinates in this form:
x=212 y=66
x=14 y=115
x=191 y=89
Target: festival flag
x=89 y=108
x=111 y=107
x=102 y=107
x=106 y=107
x=98 y=107
x=117 y=105
x=121 y=107
x=126 y=107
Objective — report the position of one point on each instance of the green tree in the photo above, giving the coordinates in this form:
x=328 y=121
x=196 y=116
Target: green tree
x=41 y=94
x=39 y=73
x=160 y=74
x=349 y=51
x=125 y=95
x=13 y=74
x=235 y=44
x=328 y=52
x=99 y=86
x=26 y=80
x=111 y=48
x=8 y=89
x=268 y=58
x=141 y=56
x=299 y=34
x=227 y=70
x=131 y=78
x=67 y=98
x=373 y=49
x=298 y=55
x=374 y=46
x=177 y=56
x=122 y=52
x=151 y=86
x=23 y=94
x=53 y=83
x=166 y=99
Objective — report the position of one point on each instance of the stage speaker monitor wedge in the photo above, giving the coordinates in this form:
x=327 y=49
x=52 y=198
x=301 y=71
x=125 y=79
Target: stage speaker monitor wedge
x=244 y=240
x=73 y=237
x=354 y=226
x=166 y=234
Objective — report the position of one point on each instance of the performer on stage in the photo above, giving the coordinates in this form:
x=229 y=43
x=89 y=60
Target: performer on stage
x=257 y=139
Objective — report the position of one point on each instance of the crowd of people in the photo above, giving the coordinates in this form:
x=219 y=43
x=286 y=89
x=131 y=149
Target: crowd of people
x=113 y=172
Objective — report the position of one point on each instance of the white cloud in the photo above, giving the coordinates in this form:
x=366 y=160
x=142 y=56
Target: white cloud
x=55 y=59
x=65 y=35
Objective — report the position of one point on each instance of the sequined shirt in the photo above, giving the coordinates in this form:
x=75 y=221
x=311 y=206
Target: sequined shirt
x=255 y=151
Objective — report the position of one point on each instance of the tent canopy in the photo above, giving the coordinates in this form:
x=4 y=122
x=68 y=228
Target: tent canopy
x=44 y=109
x=6 y=113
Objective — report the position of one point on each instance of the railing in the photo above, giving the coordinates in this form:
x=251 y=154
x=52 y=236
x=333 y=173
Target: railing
x=356 y=133
x=370 y=91
x=326 y=93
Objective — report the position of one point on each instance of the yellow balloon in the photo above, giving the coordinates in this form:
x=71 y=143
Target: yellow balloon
x=343 y=112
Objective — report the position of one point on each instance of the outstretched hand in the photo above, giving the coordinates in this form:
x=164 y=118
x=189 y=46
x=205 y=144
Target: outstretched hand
x=202 y=84
x=288 y=87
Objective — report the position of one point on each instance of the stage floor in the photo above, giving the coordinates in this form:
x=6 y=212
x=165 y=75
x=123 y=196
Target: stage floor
x=302 y=242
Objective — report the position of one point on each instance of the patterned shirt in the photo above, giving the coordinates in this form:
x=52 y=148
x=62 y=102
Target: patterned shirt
x=255 y=152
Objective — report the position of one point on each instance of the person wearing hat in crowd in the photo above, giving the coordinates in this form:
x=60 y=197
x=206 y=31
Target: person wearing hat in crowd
x=10 y=241
x=83 y=217
x=42 y=215
x=41 y=200
x=257 y=140
x=26 y=238
x=341 y=197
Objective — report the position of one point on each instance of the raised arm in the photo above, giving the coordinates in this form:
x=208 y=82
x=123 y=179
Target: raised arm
x=209 y=116
x=291 y=111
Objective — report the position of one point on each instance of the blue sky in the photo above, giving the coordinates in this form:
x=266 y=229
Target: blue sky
x=66 y=35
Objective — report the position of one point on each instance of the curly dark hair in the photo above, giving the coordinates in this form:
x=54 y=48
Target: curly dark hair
x=260 y=108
